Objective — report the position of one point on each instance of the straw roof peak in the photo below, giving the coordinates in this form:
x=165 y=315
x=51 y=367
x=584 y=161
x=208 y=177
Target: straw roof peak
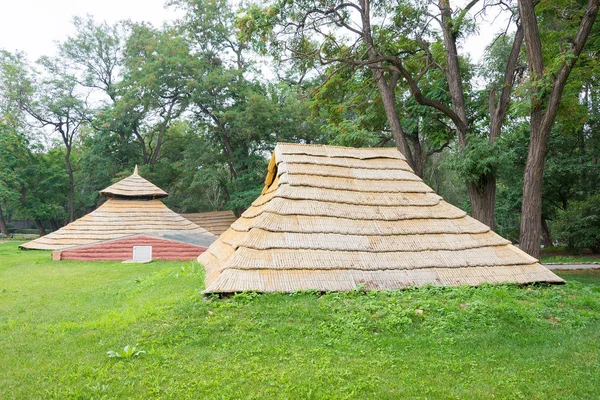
x=339 y=151
x=336 y=218
x=135 y=187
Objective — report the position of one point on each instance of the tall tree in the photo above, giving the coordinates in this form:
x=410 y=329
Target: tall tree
x=158 y=81
x=547 y=86
x=14 y=157
x=57 y=104
x=95 y=52
x=221 y=83
x=15 y=88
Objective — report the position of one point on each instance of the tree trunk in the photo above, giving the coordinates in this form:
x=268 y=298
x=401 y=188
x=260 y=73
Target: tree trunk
x=226 y=140
x=543 y=113
x=482 y=194
x=388 y=95
x=3 y=228
x=418 y=157
x=483 y=200
x=161 y=133
x=40 y=226
x=142 y=143
x=531 y=209
x=546 y=233
x=228 y=151
x=452 y=71
x=436 y=179
x=54 y=224
x=71 y=186
x=389 y=104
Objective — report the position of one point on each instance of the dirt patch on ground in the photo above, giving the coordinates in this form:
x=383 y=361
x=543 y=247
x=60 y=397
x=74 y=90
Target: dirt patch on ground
x=553 y=320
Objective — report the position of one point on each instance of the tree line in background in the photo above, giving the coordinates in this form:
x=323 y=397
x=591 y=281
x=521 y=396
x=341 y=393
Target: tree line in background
x=514 y=139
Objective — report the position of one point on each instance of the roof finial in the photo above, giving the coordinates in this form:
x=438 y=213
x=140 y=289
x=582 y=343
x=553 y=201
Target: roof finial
x=135 y=170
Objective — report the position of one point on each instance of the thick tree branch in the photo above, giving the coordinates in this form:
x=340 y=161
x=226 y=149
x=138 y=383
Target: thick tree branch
x=585 y=27
x=438 y=150
x=421 y=99
x=499 y=110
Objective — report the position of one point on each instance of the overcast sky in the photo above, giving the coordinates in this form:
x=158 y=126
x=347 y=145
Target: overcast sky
x=33 y=26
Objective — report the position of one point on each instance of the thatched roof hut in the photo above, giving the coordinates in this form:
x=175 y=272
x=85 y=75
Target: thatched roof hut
x=334 y=218
x=215 y=222
x=132 y=208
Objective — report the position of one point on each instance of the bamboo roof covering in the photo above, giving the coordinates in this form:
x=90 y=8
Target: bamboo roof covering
x=134 y=186
x=215 y=222
x=334 y=219
x=136 y=212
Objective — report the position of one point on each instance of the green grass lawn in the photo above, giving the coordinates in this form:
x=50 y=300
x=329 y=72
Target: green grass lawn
x=59 y=319
x=562 y=255
x=587 y=277
x=570 y=259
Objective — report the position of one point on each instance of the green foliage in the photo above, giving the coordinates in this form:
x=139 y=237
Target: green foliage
x=15 y=87
x=23 y=231
x=203 y=176
x=95 y=52
x=102 y=157
x=127 y=353
x=249 y=183
x=14 y=156
x=477 y=161
x=570 y=259
x=255 y=25
x=46 y=188
x=350 y=133
x=579 y=225
x=441 y=175
x=493 y=68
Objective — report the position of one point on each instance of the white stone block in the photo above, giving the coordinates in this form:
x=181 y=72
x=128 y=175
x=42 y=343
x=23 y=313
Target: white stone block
x=142 y=253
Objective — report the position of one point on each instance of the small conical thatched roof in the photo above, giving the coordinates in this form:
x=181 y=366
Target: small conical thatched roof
x=132 y=210
x=134 y=186
x=334 y=218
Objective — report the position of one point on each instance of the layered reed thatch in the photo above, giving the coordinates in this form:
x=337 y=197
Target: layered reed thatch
x=334 y=218
x=132 y=209
x=215 y=222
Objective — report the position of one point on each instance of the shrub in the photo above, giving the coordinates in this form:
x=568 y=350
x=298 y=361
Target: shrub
x=24 y=231
x=579 y=225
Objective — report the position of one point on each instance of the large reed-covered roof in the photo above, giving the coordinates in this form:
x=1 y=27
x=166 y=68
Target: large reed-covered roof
x=215 y=222
x=334 y=218
x=113 y=219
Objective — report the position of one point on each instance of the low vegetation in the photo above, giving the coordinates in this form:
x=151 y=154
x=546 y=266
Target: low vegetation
x=571 y=259
x=568 y=255
x=60 y=320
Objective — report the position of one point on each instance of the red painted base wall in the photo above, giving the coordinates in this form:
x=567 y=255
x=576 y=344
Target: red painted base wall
x=122 y=249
